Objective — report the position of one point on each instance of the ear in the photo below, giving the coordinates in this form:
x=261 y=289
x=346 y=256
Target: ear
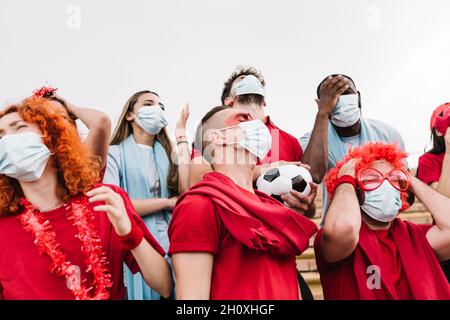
x=216 y=137
x=129 y=116
x=229 y=101
x=264 y=104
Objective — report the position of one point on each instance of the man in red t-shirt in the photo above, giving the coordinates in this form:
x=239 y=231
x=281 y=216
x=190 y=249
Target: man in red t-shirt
x=363 y=250
x=227 y=240
x=244 y=90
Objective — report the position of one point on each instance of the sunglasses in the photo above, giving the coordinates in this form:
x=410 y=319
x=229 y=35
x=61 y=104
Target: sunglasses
x=370 y=179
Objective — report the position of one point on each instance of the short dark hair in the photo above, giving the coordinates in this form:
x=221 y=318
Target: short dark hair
x=238 y=72
x=199 y=142
x=333 y=75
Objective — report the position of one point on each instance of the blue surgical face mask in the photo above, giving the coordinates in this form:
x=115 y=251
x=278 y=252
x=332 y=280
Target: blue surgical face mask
x=383 y=203
x=151 y=119
x=347 y=111
x=257 y=139
x=23 y=156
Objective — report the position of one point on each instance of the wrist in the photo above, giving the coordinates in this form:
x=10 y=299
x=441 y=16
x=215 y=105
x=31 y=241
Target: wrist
x=346 y=179
x=323 y=114
x=133 y=237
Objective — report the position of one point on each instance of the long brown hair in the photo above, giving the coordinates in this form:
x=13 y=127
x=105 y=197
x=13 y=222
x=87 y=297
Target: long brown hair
x=124 y=129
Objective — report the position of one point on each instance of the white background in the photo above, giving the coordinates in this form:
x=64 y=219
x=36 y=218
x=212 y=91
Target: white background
x=99 y=52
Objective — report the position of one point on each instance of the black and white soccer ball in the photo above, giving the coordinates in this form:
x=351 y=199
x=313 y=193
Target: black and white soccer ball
x=279 y=181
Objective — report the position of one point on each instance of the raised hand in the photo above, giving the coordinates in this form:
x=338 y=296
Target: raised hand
x=114 y=208
x=180 y=130
x=330 y=91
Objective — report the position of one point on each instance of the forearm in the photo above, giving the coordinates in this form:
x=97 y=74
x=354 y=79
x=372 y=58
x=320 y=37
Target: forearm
x=184 y=162
x=99 y=125
x=344 y=213
x=435 y=202
x=316 y=153
x=90 y=117
x=443 y=186
x=342 y=225
x=145 y=207
x=154 y=268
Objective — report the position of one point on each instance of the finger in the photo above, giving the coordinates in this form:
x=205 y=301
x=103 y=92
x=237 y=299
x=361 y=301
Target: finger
x=105 y=208
x=306 y=166
x=326 y=83
x=314 y=186
x=99 y=190
x=106 y=197
x=339 y=82
x=296 y=205
x=334 y=81
x=299 y=196
x=342 y=89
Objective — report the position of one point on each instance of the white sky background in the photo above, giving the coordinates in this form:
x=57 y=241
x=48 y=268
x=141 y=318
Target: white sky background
x=100 y=52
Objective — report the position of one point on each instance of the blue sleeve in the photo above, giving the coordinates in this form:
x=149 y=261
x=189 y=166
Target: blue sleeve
x=112 y=173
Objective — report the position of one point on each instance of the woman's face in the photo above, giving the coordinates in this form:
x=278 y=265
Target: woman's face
x=145 y=100
x=12 y=123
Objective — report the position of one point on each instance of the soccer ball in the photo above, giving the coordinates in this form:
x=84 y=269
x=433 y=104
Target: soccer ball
x=279 y=181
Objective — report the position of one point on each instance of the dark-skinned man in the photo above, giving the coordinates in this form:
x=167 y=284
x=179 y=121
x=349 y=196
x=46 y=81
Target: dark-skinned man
x=339 y=125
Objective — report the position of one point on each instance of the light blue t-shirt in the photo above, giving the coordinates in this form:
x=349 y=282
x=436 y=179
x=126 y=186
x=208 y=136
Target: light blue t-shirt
x=381 y=131
x=113 y=174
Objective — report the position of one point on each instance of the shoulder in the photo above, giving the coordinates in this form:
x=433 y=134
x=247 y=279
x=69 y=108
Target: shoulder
x=196 y=206
x=382 y=126
x=114 y=151
x=430 y=157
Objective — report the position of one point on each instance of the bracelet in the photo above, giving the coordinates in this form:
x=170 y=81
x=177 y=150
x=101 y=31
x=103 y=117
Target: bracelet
x=346 y=179
x=134 y=237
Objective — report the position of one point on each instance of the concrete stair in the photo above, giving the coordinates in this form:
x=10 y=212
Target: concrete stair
x=306 y=263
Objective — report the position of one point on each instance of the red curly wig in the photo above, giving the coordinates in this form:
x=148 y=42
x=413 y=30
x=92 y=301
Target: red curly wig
x=367 y=154
x=78 y=169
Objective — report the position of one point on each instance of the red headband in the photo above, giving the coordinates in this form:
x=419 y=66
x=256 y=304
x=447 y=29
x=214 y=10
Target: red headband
x=44 y=92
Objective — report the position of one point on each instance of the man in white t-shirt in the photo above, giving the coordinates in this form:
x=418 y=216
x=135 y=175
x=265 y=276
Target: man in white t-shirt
x=343 y=127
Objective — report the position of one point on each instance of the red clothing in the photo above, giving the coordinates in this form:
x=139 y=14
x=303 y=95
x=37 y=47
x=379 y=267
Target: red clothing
x=254 y=239
x=285 y=147
x=407 y=266
x=430 y=167
x=24 y=273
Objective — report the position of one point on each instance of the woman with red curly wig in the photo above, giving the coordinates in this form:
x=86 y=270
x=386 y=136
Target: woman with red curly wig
x=364 y=251
x=63 y=235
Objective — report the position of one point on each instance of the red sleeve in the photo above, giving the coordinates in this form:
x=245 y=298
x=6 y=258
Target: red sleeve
x=195 y=226
x=129 y=258
x=425 y=227
x=429 y=168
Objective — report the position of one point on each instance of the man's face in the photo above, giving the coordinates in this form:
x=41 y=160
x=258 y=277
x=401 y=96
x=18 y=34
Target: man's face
x=226 y=125
x=223 y=133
